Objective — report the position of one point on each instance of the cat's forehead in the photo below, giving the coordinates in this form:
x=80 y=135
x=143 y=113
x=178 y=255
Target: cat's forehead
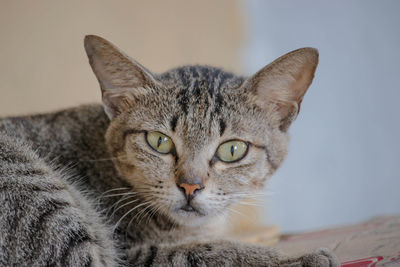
x=201 y=96
x=192 y=77
x=200 y=89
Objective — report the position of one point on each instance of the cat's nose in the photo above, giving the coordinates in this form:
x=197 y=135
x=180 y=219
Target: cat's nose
x=190 y=190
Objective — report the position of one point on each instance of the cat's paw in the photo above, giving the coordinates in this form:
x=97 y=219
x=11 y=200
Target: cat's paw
x=320 y=258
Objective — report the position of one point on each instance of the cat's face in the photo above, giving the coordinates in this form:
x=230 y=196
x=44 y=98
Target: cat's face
x=195 y=140
x=210 y=135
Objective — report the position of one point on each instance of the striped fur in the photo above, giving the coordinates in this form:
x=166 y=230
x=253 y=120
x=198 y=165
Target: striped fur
x=44 y=220
x=81 y=187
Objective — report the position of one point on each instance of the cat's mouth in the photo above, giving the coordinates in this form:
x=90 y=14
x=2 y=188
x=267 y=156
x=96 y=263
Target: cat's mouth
x=188 y=208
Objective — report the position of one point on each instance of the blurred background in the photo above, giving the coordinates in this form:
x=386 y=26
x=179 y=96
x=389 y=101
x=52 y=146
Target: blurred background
x=344 y=163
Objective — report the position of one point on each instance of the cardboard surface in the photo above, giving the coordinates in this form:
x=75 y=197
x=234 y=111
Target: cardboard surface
x=372 y=243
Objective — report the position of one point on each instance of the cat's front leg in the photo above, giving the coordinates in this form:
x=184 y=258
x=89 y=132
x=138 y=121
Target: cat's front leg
x=44 y=220
x=222 y=253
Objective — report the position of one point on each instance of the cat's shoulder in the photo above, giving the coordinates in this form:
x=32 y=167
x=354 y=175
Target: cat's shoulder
x=45 y=125
x=81 y=112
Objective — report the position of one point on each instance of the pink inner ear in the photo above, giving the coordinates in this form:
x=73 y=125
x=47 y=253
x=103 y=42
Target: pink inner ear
x=114 y=103
x=120 y=100
x=281 y=85
x=121 y=78
x=302 y=82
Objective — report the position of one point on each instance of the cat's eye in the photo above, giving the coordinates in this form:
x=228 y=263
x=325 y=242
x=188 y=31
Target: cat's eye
x=232 y=151
x=159 y=142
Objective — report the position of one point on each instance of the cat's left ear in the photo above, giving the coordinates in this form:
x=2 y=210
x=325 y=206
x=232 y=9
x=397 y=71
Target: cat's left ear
x=121 y=78
x=280 y=86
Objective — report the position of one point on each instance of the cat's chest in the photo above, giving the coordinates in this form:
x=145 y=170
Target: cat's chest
x=155 y=232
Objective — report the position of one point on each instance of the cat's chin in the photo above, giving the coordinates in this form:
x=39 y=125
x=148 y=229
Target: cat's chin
x=189 y=216
x=216 y=225
x=189 y=212
x=192 y=213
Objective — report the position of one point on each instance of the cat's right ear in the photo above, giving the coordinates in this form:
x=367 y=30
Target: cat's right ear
x=280 y=86
x=121 y=78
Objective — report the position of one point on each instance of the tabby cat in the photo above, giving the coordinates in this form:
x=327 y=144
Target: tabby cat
x=147 y=178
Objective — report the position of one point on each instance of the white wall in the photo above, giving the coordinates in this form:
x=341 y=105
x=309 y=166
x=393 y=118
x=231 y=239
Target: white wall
x=344 y=160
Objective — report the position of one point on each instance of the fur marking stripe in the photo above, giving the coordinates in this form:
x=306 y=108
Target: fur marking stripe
x=173 y=122
x=171 y=256
x=193 y=259
x=89 y=262
x=48 y=214
x=137 y=255
x=222 y=127
x=77 y=237
x=130 y=131
x=152 y=256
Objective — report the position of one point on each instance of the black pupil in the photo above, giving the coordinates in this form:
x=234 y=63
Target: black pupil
x=159 y=141
x=232 y=150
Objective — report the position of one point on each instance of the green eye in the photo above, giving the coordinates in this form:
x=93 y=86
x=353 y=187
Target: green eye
x=232 y=151
x=159 y=142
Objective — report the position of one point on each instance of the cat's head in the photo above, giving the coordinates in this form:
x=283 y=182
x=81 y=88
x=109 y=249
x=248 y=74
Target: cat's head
x=196 y=139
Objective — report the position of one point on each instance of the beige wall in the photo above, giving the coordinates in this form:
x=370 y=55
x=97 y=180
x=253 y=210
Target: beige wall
x=42 y=61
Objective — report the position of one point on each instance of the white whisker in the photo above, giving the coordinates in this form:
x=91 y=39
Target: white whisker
x=130 y=202
x=121 y=194
x=235 y=211
x=114 y=189
x=113 y=206
x=126 y=214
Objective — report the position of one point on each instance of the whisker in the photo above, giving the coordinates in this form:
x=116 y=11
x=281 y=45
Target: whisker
x=223 y=214
x=113 y=206
x=235 y=211
x=114 y=189
x=154 y=212
x=126 y=214
x=121 y=194
x=258 y=194
x=130 y=202
x=142 y=213
x=250 y=204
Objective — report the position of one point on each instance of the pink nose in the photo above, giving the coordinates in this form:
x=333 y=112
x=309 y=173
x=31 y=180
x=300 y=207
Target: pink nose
x=189 y=189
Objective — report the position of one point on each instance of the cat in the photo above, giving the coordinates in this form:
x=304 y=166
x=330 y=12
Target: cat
x=146 y=178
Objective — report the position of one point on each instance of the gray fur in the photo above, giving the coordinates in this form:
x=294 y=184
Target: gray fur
x=63 y=173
